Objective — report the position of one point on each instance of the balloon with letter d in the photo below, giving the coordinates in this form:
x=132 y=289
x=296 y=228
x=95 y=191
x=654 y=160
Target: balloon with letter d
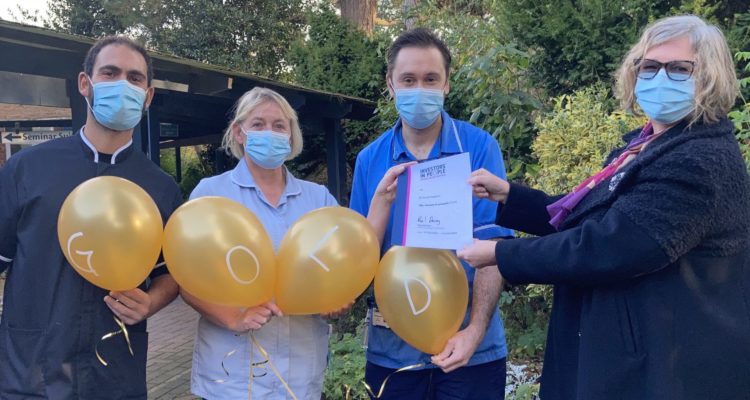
x=422 y=295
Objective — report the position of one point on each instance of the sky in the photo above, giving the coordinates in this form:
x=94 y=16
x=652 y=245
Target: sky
x=32 y=5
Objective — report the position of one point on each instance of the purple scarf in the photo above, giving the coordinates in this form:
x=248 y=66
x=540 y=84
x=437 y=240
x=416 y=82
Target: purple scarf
x=560 y=209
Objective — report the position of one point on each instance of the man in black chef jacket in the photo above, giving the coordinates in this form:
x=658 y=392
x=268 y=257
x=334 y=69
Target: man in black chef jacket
x=52 y=317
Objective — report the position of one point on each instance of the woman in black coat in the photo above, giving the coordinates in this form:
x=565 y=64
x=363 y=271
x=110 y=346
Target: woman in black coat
x=649 y=258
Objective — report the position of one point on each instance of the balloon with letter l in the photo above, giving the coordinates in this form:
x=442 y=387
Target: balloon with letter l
x=110 y=231
x=422 y=295
x=326 y=259
x=217 y=250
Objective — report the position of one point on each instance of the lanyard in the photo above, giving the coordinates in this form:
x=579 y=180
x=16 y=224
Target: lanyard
x=393 y=160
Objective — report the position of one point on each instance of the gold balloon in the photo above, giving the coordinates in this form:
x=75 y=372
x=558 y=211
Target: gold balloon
x=218 y=251
x=422 y=294
x=110 y=231
x=326 y=259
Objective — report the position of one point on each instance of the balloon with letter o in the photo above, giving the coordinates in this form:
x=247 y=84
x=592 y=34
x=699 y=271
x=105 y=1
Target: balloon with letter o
x=218 y=251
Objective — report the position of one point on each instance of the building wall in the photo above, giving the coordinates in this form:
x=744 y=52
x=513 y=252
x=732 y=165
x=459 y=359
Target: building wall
x=16 y=112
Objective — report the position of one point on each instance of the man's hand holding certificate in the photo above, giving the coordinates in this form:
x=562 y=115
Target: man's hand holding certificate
x=434 y=204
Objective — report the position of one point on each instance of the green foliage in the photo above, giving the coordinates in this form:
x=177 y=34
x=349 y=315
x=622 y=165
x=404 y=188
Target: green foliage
x=525 y=311
x=738 y=36
x=576 y=136
x=244 y=35
x=716 y=11
x=738 y=32
x=93 y=18
x=193 y=168
x=526 y=391
x=740 y=116
x=336 y=57
x=493 y=86
x=578 y=43
x=346 y=369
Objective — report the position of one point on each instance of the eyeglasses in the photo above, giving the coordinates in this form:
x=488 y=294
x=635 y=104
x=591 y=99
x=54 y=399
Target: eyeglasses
x=678 y=70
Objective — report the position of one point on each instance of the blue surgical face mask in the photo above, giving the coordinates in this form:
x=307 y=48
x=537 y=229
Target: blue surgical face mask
x=419 y=108
x=267 y=149
x=664 y=100
x=117 y=105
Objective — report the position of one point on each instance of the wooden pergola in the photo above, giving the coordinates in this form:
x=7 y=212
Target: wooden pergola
x=192 y=104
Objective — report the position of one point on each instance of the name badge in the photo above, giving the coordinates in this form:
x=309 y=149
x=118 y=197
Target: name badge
x=378 y=320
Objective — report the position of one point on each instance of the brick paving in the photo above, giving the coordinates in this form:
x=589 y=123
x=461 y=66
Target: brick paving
x=170 y=352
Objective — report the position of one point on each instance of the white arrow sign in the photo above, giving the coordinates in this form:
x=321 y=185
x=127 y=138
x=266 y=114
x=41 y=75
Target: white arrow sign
x=32 y=137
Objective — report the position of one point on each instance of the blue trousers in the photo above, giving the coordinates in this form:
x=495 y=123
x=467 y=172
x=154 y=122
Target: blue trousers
x=478 y=382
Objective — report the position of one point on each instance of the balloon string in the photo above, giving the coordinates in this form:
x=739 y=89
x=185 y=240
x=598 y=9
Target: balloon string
x=267 y=360
x=385 y=381
x=226 y=371
x=253 y=365
x=110 y=335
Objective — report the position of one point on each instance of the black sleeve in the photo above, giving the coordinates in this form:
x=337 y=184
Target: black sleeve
x=526 y=210
x=596 y=252
x=666 y=212
x=9 y=214
x=160 y=269
x=176 y=202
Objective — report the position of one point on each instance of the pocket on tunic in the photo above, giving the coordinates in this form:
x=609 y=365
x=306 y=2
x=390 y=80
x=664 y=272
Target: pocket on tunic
x=21 y=370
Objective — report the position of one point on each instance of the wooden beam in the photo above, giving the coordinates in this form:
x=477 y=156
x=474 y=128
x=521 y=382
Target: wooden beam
x=193 y=141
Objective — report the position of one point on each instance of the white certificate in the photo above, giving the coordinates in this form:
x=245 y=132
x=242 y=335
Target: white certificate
x=433 y=206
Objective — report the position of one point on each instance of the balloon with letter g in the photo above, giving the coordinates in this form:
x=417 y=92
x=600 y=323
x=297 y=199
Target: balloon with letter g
x=110 y=231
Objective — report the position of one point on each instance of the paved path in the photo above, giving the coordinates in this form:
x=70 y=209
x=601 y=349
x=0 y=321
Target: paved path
x=170 y=352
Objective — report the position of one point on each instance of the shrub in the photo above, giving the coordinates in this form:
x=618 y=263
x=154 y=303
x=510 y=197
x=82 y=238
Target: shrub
x=576 y=136
x=346 y=367
x=740 y=116
x=193 y=168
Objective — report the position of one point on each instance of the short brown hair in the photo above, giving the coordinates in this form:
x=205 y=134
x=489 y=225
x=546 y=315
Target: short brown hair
x=418 y=37
x=90 y=60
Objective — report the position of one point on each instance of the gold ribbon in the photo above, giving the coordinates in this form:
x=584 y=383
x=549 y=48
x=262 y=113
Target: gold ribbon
x=226 y=371
x=267 y=360
x=385 y=381
x=110 y=335
x=253 y=365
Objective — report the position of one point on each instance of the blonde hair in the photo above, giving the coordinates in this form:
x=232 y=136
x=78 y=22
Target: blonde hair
x=246 y=105
x=716 y=84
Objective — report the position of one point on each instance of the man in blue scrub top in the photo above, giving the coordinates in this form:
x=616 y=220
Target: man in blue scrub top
x=472 y=365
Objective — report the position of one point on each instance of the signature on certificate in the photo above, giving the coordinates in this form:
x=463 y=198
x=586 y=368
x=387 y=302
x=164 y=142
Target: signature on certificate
x=428 y=220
